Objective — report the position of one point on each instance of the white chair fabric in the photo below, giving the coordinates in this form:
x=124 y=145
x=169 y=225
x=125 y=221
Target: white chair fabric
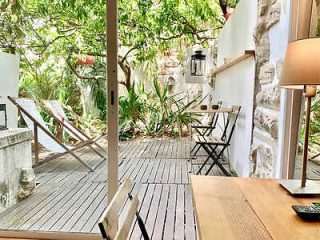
x=44 y=139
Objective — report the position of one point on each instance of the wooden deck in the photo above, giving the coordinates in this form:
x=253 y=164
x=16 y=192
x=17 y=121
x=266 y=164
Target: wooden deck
x=69 y=199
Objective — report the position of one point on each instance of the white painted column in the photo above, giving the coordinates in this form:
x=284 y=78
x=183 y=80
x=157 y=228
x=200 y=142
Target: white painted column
x=112 y=85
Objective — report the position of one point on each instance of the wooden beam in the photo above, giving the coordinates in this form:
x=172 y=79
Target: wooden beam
x=24 y=235
x=234 y=61
x=112 y=84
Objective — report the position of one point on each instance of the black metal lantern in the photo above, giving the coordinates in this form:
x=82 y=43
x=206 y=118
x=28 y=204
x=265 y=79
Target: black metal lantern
x=3 y=117
x=198 y=64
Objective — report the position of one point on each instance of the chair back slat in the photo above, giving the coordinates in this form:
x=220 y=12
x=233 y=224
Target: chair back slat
x=126 y=226
x=109 y=220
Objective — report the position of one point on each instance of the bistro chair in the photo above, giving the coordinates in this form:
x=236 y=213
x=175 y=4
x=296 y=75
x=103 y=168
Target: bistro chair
x=215 y=146
x=109 y=223
x=205 y=130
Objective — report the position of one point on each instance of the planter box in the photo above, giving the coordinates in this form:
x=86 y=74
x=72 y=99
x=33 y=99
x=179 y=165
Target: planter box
x=17 y=179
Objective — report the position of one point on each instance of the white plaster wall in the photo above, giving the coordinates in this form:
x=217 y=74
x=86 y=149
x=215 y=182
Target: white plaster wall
x=9 y=83
x=237 y=34
x=235 y=86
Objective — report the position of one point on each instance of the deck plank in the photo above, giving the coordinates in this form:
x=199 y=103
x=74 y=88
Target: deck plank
x=72 y=199
x=70 y=223
x=153 y=210
x=190 y=228
x=145 y=206
x=170 y=217
x=160 y=220
x=179 y=212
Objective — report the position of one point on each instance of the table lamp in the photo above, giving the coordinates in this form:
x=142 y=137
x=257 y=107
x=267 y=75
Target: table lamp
x=301 y=70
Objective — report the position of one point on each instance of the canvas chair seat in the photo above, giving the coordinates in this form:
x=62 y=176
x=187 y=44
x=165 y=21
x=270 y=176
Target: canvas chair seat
x=42 y=134
x=56 y=109
x=44 y=139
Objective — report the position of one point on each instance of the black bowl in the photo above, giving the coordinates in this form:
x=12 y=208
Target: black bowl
x=203 y=107
x=215 y=107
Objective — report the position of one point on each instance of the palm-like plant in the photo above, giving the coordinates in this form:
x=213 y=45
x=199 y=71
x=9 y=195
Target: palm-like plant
x=164 y=103
x=132 y=110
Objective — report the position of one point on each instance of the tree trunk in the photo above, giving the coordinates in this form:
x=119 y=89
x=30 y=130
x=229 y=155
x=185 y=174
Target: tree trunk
x=126 y=69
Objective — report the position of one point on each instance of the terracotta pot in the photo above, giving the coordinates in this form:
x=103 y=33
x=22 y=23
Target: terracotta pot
x=227 y=15
x=87 y=61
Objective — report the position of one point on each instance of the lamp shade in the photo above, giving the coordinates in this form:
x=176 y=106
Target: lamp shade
x=302 y=64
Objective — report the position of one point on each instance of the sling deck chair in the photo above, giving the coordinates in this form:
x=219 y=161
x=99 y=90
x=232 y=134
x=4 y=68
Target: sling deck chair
x=205 y=130
x=42 y=134
x=215 y=146
x=55 y=109
x=109 y=223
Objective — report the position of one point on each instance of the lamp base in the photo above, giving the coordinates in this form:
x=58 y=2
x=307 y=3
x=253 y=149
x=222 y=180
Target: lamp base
x=294 y=187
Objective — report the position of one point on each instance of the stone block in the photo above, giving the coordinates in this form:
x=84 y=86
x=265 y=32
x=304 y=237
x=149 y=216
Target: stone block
x=266 y=74
x=269 y=97
x=171 y=64
x=263 y=49
x=27 y=183
x=268 y=121
x=263 y=7
x=273 y=15
x=264 y=158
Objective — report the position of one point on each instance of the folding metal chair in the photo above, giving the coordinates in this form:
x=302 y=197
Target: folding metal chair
x=205 y=130
x=109 y=222
x=215 y=146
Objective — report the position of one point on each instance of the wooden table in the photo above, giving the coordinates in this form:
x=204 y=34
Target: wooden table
x=210 y=110
x=243 y=208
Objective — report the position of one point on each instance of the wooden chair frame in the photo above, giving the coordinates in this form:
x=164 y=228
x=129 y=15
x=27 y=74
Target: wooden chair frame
x=57 y=155
x=63 y=124
x=108 y=224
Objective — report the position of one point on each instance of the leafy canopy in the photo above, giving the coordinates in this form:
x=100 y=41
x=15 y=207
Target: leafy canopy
x=50 y=35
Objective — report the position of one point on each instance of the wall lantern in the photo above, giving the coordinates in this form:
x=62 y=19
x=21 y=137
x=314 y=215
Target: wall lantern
x=198 y=64
x=3 y=117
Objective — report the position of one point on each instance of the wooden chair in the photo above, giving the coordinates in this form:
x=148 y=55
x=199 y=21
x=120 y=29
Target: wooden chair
x=109 y=226
x=215 y=146
x=55 y=109
x=42 y=134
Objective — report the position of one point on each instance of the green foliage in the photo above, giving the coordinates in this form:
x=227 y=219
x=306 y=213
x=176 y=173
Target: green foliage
x=154 y=113
x=132 y=109
x=51 y=35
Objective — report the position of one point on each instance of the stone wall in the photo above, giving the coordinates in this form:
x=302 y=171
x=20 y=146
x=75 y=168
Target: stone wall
x=273 y=18
x=17 y=179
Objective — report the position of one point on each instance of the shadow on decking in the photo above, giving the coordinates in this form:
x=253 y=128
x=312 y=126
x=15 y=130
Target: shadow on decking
x=69 y=199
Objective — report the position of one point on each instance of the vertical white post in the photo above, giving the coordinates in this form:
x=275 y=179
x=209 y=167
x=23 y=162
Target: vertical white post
x=112 y=85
